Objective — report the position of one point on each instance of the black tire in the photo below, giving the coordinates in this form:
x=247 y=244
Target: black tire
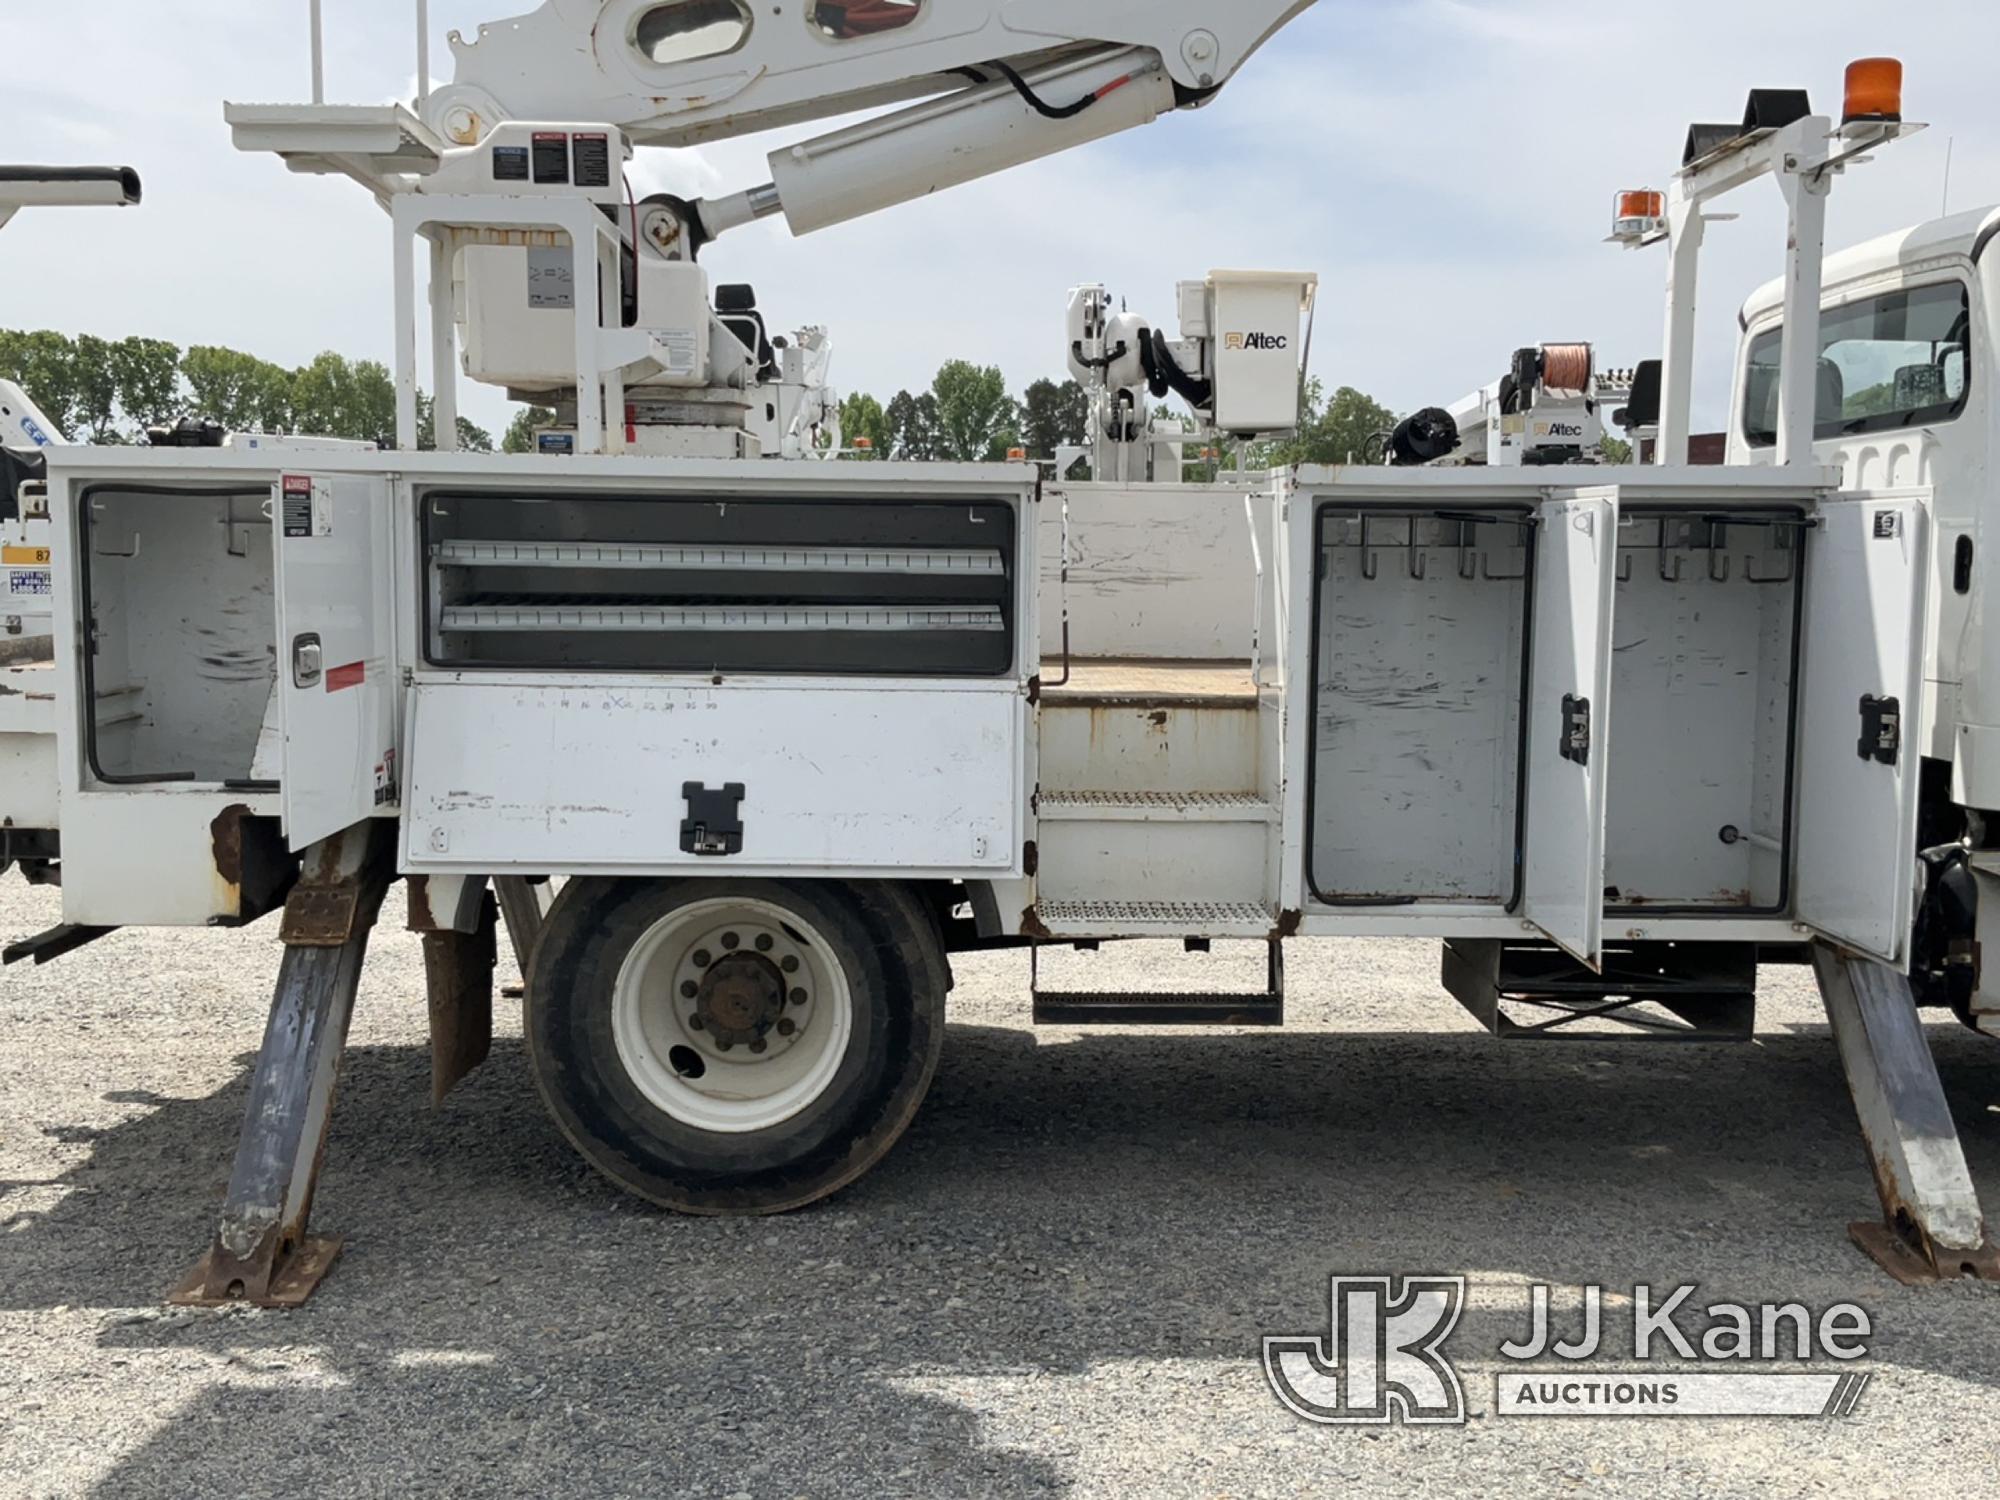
x=887 y=948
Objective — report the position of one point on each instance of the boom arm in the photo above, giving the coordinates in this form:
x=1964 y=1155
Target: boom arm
x=774 y=65
x=1004 y=82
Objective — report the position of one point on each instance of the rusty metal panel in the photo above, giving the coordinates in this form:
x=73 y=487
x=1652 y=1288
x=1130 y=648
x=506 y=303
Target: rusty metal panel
x=458 y=976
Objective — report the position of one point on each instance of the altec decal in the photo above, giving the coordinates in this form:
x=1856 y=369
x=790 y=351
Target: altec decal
x=1256 y=342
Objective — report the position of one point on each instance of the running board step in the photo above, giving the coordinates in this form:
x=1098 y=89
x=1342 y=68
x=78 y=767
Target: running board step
x=1147 y=1008
x=1648 y=992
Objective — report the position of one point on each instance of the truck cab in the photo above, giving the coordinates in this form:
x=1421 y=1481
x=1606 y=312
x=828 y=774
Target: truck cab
x=1903 y=403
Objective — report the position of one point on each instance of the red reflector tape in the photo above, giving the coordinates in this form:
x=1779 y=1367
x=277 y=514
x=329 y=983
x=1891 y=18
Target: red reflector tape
x=351 y=675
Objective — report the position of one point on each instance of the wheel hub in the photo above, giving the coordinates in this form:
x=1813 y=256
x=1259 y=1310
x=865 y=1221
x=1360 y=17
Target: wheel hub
x=732 y=1014
x=740 y=999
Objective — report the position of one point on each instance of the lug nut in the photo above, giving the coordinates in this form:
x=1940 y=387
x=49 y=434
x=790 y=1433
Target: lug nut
x=702 y=958
x=731 y=940
x=763 y=942
x=787 y=1026
x=759 y=1045
x=695 y=1023
x=799 y=997
x=726 y=1046
x=689 y=989
x=790 y=964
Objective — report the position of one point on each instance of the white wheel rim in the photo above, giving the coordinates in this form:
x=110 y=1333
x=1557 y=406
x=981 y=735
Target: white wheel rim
x=699 y=1030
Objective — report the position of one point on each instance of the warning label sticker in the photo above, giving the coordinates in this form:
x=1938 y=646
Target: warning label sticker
x=24 y=583
x=298 y=505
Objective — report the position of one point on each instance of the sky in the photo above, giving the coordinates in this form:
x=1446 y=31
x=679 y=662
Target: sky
x=1446 y=167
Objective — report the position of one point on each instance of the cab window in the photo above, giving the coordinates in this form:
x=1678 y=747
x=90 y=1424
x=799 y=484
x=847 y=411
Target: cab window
x=1898 y=360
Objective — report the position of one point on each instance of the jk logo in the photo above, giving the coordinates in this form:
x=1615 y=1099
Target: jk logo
x=1381 y=1361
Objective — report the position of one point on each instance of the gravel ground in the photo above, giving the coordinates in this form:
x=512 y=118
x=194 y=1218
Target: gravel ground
x=1057 y=1284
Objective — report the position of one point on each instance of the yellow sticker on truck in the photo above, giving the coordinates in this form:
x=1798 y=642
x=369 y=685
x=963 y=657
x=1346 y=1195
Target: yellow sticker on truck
x=24 y=557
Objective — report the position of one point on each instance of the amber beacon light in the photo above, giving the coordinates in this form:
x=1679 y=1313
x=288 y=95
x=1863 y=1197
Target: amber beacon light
x=1874 y=90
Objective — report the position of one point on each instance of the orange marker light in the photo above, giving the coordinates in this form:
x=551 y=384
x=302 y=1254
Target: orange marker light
x=1874 y=90
x=866 y=445
x=1644 y=204
x=1016 y=455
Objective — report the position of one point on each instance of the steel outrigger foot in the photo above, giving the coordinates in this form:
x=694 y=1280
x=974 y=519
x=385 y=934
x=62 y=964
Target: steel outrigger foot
x=1932 y=1228
x=261 y=1254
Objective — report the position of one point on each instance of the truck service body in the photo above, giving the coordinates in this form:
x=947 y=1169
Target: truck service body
x=744 y=744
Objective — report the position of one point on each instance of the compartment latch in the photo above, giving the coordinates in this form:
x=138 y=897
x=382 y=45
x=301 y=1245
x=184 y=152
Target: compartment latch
x=1881 y=729
x=1576 y=729
x=714 y=824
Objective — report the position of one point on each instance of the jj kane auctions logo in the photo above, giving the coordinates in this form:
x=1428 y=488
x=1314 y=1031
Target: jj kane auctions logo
x=1383 y=1359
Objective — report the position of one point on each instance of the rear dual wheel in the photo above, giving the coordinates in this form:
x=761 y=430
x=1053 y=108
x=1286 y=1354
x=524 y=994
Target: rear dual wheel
x=735 y=1046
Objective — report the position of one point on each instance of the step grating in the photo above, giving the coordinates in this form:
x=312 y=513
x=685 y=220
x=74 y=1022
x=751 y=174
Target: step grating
x=1177 y=918
x=1164 y=801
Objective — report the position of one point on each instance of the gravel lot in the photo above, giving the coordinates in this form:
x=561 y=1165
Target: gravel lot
x=1056 y=1285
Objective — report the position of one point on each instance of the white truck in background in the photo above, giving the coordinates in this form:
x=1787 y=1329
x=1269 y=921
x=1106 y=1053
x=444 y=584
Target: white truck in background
x=781 y=738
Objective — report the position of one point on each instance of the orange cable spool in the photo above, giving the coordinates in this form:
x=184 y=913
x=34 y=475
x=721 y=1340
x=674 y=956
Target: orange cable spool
x=1566 y=367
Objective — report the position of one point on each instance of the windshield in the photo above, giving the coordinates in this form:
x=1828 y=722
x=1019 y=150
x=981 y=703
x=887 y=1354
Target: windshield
x=1897 y=360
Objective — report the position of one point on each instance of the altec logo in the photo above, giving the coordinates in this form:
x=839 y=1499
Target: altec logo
x=1256 y=342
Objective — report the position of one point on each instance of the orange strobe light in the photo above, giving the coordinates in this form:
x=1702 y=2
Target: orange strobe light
x=1874 y=90
x=1642 y=205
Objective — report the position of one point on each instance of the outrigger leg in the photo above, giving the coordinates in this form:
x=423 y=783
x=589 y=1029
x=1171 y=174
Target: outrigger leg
x=262 y=1254
x=1932 y=1228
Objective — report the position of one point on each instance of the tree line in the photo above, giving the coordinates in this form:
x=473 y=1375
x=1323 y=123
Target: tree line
x=109 y=391
x=967 y=416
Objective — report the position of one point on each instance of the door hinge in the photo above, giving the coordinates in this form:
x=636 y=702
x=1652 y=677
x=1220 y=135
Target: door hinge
x=1576 y=729
x=1881 y=730
x=714 y=824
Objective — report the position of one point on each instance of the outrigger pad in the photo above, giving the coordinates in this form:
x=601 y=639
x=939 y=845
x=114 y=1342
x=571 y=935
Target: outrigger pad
x=291 y=1284
x=1908 y=1265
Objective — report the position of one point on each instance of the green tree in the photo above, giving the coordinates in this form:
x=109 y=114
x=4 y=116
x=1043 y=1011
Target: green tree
x=976 y=419
x=471 y=438
x=861 y=416
x=147 y=374
x=913 y=427
x=1616 y=450
x=336 y=397
x=44 y=364
x=96 y=390
x=1054 y=416
x=242 y=392
x=1335 y=431
x=520 y=434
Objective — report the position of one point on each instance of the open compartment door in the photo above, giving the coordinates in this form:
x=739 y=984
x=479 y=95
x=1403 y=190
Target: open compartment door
x=1866 y=583
x=336 y=651
x=1569 y=707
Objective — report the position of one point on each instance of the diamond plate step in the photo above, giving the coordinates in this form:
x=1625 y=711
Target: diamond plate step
x=1167 y=919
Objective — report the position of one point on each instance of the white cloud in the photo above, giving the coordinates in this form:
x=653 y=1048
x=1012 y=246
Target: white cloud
x=1446 y=165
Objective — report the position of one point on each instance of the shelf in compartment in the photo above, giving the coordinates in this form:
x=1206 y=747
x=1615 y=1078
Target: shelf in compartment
x=925 y=562
x=639 y=616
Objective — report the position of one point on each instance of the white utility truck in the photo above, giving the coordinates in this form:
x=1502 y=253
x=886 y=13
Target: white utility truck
x=781 y=737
